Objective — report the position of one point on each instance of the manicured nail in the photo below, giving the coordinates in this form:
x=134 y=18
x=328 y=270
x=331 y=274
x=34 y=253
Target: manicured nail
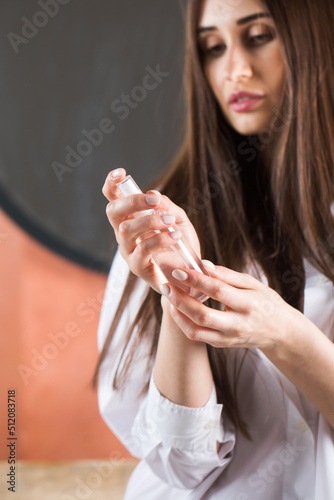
x=175 y=235
x=208 y=264
x=179 y=275
x=152 y=199
x=168 y=219
x=115 y=173
x=165 y=290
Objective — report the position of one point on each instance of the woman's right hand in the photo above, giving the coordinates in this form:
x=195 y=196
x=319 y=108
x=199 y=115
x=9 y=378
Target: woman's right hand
x=136 y=236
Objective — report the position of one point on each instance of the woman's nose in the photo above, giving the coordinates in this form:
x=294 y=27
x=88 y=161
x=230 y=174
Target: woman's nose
x=237 y=65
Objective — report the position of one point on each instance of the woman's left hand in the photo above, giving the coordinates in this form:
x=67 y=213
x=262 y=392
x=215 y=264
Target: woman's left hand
x=254 y=315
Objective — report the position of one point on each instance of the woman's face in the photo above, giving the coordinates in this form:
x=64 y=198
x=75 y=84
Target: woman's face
x=242 y=52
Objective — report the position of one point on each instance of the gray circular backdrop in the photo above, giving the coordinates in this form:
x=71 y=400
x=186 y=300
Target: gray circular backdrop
x=86 y=86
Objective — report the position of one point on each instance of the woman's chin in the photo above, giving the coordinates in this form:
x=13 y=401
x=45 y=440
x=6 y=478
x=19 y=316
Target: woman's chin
x=249 y=125
x=249 y=130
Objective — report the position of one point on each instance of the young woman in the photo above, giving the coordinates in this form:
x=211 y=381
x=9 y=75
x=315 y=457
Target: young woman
x=234 y=402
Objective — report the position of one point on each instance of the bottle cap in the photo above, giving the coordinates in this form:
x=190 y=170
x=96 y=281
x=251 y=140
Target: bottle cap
x=128 y=186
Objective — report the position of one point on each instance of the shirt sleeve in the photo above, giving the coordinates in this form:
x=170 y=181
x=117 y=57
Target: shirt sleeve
x=178 y=443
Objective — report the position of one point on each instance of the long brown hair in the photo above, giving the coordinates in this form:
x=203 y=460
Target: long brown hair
x=272 y=212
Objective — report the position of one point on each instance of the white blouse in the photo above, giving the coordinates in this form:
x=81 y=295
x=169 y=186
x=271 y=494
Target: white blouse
x=291 y=455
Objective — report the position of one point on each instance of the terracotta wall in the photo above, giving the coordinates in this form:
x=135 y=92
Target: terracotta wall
x=46 y=300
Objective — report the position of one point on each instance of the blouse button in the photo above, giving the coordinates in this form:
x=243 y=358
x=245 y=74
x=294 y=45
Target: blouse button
x=302 y=426
x=210 y=425
x=321 y=282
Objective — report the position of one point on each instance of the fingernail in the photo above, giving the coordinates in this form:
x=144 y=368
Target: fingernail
x=154 y=191
x=115 y=173
x=165 y=290
x=175 y=235
x=208 y=263
x=168 y=219
x=179 y=275
x=152 y=199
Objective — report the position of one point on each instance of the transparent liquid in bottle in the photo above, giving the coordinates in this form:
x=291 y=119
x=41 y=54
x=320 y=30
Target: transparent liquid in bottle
x=179 y=255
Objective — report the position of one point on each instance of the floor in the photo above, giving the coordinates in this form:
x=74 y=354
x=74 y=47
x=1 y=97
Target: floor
x=93 y=480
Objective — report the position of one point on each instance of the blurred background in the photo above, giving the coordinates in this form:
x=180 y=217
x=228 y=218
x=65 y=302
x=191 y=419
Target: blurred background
x=86 y=87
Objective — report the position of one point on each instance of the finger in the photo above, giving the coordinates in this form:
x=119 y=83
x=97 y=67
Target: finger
x=158 y=221
x=158 y=242
x=123 y=208
x=181 y=217
x=109 y=189
x=144 y=228
x=226 y=336
x=232 y=297
x=167 y=205
x=208 y=264
x=235 y=278
x=198 y=313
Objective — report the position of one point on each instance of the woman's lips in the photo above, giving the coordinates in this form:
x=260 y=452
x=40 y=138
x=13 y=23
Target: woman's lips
x=246 y=103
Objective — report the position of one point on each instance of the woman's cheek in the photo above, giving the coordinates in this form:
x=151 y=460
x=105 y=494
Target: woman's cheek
x=277 y=75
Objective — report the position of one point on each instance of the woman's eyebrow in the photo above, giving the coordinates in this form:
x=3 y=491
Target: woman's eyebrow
x=241 y=21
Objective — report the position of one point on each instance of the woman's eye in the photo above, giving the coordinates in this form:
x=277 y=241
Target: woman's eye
x=261 y=38
x=218 y=50
x=215 y=49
